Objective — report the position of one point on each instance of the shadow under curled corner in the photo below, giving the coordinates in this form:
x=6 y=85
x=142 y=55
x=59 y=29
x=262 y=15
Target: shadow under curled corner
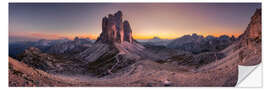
x=249 y=76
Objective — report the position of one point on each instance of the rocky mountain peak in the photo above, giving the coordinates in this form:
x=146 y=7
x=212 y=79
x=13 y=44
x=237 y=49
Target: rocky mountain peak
x=194 y=34
x=156 y=37
x=114 y=29
x=250 y=41
x=254 y=27
x=252 y=35
x=118 y=14
x=76 y=38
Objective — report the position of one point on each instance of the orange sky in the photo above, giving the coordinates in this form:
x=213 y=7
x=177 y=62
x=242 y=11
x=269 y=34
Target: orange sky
x=136 y=36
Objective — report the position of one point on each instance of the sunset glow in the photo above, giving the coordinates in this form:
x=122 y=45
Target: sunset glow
x=167 y=21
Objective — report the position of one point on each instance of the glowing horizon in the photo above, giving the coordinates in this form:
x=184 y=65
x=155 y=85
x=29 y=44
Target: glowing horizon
x=94 y=37
x=148 y=20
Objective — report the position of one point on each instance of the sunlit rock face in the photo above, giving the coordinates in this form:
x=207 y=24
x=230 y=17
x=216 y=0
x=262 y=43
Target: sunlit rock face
x=115 y=30
x=252 y=35
x=254 y=29
x=250 y=41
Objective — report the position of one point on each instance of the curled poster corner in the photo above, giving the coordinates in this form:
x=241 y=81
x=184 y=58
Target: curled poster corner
x=249 y=76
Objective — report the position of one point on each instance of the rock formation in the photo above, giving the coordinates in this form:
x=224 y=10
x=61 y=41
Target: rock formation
x=21 y=75
x=250 y=41
x=253 y=31
x=115 y=30
x=127 y=32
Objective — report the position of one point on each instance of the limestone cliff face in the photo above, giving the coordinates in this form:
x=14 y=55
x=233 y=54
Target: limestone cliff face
x=252 y=36
x=250 y=41
x=128 y=32
x=254 y=28
x=115 y=30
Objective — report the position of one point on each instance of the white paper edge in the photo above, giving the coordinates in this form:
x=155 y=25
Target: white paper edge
x=249 y=76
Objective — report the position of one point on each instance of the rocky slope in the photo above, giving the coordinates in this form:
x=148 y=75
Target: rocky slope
x=21 y=75
x=49 y=63
x=144 y=73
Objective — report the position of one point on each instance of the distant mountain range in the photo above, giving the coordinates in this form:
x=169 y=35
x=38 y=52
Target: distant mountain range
x=44 y=45
x=192 y=43
x=155 y=41
x=197 y=43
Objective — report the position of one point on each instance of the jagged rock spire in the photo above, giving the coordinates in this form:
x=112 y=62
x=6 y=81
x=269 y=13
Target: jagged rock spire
x=115 y=30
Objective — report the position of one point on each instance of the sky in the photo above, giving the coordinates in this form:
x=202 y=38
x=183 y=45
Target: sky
x=33 y=21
